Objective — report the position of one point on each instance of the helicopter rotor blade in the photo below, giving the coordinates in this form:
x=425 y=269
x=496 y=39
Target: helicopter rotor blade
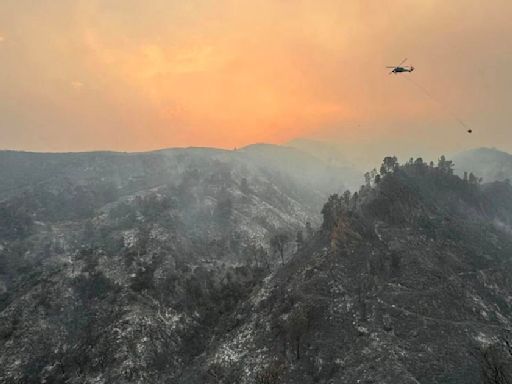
x=403 y=61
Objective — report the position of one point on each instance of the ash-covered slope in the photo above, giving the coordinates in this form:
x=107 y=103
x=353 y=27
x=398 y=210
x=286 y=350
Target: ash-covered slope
x=195 y=196
x=119 y=267
x=409 y=281
x=200 y=195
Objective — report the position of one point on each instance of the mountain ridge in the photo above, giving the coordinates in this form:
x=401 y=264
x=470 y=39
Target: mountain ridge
x=380 y=299
x=230 y=272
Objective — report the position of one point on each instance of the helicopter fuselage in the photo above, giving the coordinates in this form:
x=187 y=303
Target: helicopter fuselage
x=402 y=69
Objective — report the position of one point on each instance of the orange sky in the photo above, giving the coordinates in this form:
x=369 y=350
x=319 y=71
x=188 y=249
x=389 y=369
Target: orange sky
x=138 y=75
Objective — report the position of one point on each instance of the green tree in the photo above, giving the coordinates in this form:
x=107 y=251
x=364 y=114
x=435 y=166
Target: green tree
x=346 y=198
x=389 y=164
x=444 y=165
x=297 y=326
x=331 y=210
x=367 y=179
x=278 y=243
x=472 y=178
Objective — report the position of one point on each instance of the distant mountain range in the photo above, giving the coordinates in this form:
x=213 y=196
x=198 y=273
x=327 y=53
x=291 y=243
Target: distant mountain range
x=489 y=163
x=24 y=169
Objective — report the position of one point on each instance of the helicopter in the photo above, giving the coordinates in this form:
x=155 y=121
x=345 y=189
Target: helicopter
x=399 y=68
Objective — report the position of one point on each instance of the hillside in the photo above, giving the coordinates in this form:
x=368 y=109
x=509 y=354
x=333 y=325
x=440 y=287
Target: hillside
x=93 y=242
x=182 y=281
x=407 y=282
x=137 y=171
x=56 y=204
x=489 y=163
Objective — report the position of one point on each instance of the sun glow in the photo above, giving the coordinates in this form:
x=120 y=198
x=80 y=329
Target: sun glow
x=131 y=76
